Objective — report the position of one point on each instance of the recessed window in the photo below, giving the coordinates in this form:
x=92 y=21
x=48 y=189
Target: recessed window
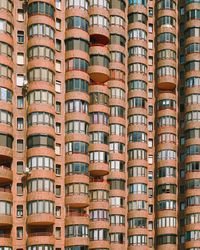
x=58 y=232
x=58 y=169
x=19 y=189
x=20 y=80
x=58 y=66
x=20 y=102
x=58 y=87
x=150 y=93
x=150 y=143
x=150 y=61
x=20 y=58
x=20 y=123
x=58 y=4
x=150 y=28
x=20 y=36
x=58 y=24
x=150 y=11
x=19 y=210
x=58 y=190
x=20 y=15
x=58 y=107
x=58 y=45
x=150 y=159
x=58 y=128
x=20 y=167
x=58 y=211
x=150 y=44
x=20 y=146
x=19 y=232
x=58 y=149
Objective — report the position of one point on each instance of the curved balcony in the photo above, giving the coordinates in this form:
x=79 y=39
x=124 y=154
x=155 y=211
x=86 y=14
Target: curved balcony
x=6 y=240
x=40 y=219
x=99 y=64
x=6 y=174
x=41 y=238
x=77 y=200
x=6 y=220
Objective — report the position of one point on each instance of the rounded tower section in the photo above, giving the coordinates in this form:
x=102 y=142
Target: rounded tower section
x=137 y=126
x=77 y=120
x=40 y=122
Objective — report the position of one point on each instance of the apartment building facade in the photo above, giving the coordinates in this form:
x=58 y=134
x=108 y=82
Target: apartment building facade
x=99 y=124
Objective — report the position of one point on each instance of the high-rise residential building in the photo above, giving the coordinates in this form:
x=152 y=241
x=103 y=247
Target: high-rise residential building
x=99 y=125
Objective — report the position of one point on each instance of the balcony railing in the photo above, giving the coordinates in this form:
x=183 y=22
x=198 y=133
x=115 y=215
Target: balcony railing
x=40 y=234
x=4 y=189
x=2 y=235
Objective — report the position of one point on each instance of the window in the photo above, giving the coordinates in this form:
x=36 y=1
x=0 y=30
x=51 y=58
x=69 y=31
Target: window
x=41 y=96
x=150 y=143
x=150 y=60
x=58 y=190
x=150 y=44
x=150 y=93
x=19 y=189
x=76 y=22
x=58 y=87
x=58 y=211
x=150 y=28
x=76 y=231
x=83 y=4
x=5 y=94
x=20 y=102
x=166 y=239
x=58 y=45
x=137 y=240
x=40 y=29
x=150 y=159
x=76 y=147
x=8 y=5
x=58 y=128
x=150 y=77
x=43 y=118
x=58 y=232
x=76 y=168
x=58 y=107
x=58 y=4
x=20 y=80
x=20 y=36
x=58 y=169
x=20 y=146
x=58 y=149
x=39 y=207
x=150 y=126
x=20 y=58
x=41 y=8
x=19 y=232
x=99 y=214
x=20 y=165
x=58 y=24
x=41 y=74
x=41 y=162
x=77 y=188
x=150 y=12
x=58 y=66
x=40 y=140
x=99 y=234
x=20 y=15
x=19 y=210
x=20 y=123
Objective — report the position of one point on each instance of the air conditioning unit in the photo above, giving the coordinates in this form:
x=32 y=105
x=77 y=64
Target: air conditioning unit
x=25 y=82
x=26 y=170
